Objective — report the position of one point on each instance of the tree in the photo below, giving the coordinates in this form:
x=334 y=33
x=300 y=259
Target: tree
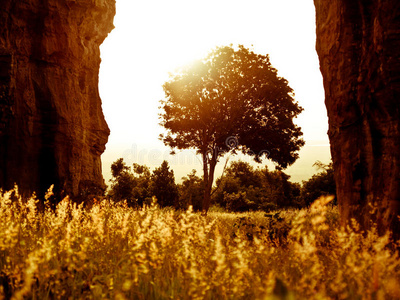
x=240 y=188
x=232 y=100
x=320 y=184
x=142 y=183
x=280 y=190
x=244 y=188
x=130 y=186
x=163 y=185
x=191 y=192
x=122 y=182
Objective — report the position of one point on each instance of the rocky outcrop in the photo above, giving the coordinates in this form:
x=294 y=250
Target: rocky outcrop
x=52 y=128
x=358 y=43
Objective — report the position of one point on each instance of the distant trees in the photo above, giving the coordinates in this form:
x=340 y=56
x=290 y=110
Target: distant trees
x=163 y=186
x=244 y=188
x=282 y=191
x=122 y=183
x=241 y=188
x=191 y=192
x=142 y=181
x=233 y=100
x=138 y=186
x=320 y=184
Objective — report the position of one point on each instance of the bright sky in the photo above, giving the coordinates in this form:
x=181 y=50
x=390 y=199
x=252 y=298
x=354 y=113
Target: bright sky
x=153 y=38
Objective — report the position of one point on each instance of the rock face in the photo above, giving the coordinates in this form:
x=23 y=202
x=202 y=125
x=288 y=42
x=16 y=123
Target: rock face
x=52 y=128
x=358 y=43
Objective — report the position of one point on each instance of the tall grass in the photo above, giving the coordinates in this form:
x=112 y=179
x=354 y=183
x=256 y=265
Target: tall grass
x=110 y=251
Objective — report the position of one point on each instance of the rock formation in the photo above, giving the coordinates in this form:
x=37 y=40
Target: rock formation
x=52 y=128
x=358 y=43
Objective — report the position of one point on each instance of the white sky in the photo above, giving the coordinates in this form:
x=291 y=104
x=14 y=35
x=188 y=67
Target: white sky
x=153 y=38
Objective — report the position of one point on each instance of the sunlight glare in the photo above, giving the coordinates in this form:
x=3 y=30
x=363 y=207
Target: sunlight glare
x=152 y=39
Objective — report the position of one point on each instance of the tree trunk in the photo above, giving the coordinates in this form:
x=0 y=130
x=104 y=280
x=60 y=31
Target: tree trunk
x=206 y=200
x=358 y=43
x=208 y=169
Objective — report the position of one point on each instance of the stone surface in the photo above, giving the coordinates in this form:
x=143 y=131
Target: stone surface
x=52 y=128
x=358 y=43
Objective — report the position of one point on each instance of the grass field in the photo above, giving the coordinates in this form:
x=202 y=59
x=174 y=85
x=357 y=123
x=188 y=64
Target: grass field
x=110 y=251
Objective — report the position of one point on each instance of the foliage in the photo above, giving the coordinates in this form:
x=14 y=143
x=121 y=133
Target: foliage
x=281 y=191
x=134 y=187
x=111 y=251
x=244 y=188
x=137 y=185
x=122 y=182
x=191 y=192
x=232 y=100
x=142 y=182
x=163 y=185
x=321 y=184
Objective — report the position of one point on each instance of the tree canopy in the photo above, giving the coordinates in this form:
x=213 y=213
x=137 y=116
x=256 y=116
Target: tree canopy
x=320 y=184
x=191 y=191
x=163 y=185
x=232 y=100
x=130 y=186
x=244 y=188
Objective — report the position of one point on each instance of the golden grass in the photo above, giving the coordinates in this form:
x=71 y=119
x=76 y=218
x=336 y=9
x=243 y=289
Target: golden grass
x=111 y=251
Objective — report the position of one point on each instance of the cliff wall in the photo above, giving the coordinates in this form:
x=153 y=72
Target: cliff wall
x=358 y=43
x=52 y=128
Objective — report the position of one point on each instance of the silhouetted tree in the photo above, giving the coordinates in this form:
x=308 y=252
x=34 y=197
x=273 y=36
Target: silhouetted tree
x=231 y=100
x=163 y=185
x=244 y=188
x=134 y=187
x=191 y=192
x=320 y=184
x=122 y=182
x=141 y=185
x=280 y=190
